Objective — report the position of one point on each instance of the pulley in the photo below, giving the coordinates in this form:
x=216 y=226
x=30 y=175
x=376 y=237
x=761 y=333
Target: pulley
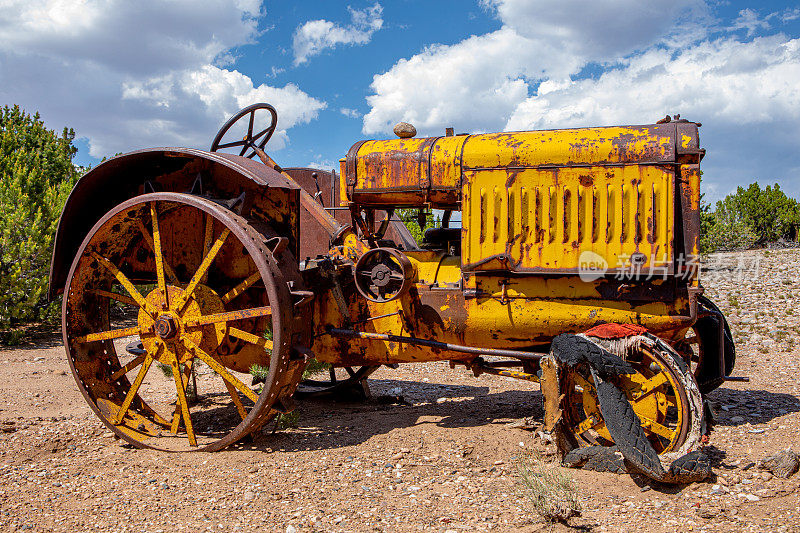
x=383 y=274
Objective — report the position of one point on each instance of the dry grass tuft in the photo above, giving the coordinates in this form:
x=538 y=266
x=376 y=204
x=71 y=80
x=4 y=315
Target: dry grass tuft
x=549 y=488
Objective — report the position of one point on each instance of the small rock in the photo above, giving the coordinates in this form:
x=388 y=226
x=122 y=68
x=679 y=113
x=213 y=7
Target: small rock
x=751 y=497
x=395 y=391
x=291 y=529
x=782 y=464
x=248 y=495
x=737 y=419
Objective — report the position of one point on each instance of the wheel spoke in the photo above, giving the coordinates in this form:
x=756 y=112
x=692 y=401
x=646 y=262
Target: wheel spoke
x=586 y=425
x=658 y=429
x=159 y=256
x=650 y=385
x=260 y=133
x=237 y=401
x=133 y=363
x=207 y=239
x=219 y=369
x=121 y=298
x=201 y=270
x=240 y=288
x=126 y=403
x=176 y=415
x=110 y=334
x=249 y=337
x=184 y=405
x=250 y=125
x=149 y=240
x=230 y=316
x=125 y=282
x=230 y=144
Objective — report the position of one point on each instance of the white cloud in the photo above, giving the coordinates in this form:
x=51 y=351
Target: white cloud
x=644 y=60
x=323 y=164
x=315 y=36
x=476 y=83
x=594 y=31
x=221 y=93
x=747 y=93
x=479 y=82
x=350 y=113
x=128 y=75
x=727 y=79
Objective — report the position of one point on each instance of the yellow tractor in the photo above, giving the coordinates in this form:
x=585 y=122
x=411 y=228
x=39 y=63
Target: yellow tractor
x=568 y=257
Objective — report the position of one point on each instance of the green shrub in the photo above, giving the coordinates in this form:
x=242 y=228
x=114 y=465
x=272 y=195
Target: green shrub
x=769 y=212
x=726 y=229
x=36 y=176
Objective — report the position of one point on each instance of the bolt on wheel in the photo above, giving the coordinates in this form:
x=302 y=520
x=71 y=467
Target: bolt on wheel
x=199 y=289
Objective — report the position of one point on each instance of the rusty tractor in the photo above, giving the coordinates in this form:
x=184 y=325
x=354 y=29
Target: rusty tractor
x=566 y=257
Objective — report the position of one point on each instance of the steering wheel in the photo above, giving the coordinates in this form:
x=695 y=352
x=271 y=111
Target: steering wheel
x=250 y=141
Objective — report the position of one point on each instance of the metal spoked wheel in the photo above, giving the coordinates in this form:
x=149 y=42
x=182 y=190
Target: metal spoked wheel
x=339 y=380
x=199 y=288
x=655 y=392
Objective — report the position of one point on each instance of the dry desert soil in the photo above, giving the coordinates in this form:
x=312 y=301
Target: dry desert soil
x=444 y=460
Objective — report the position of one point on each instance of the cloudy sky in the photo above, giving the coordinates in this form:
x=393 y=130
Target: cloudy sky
x=127 y=75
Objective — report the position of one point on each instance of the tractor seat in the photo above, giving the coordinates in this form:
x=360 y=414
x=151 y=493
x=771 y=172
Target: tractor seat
x=439 y=237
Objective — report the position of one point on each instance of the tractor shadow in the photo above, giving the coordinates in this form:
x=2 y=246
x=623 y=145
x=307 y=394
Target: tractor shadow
x=328 y=423
x=737 y=407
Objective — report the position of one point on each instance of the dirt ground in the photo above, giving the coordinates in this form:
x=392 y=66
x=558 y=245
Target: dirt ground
x=446 y=460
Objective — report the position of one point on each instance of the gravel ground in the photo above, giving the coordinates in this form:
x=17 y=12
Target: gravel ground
x=444 y=461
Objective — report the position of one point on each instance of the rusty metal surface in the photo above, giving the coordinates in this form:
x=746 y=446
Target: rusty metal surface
x=418 y=171
x=535 y=220
x=314 y=240
x=435 y=345
x=168 y=169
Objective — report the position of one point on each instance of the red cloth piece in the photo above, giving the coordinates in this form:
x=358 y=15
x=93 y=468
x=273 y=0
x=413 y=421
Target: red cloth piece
x=615 y=331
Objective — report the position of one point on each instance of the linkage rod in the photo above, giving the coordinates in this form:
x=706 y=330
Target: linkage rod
x=516 y=354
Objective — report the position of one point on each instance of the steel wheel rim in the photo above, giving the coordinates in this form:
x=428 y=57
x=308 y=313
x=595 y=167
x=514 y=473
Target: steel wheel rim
x=579 y=408
x=273 y=291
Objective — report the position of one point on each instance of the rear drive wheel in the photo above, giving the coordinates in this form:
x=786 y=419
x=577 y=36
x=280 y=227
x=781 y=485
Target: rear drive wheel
x=192 y=288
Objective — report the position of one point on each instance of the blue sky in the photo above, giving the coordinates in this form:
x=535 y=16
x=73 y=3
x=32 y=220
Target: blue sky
x=154 y=73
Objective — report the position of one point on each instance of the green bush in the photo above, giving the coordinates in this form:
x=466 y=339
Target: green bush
x=769 y=212
x=410 y=218
x=36 y=176
x=726 y=229
x=749 y=217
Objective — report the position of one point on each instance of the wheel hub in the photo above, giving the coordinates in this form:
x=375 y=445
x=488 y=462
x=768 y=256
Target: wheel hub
x=166 y=328
x=172 y=325
x=380 y=275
